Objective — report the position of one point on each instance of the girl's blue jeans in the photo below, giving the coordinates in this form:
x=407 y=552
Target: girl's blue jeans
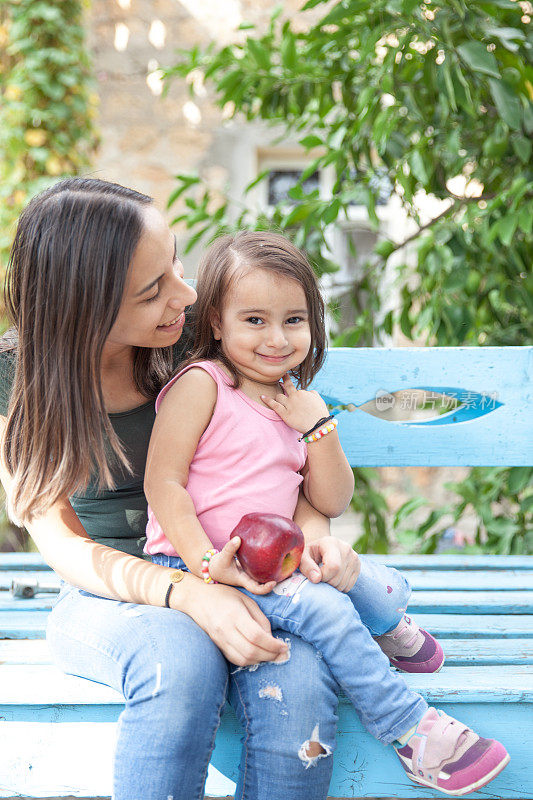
x=175 y=682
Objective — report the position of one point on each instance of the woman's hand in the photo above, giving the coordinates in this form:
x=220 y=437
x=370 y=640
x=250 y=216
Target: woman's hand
x=223 y=568
x=234 y=622
x=299 y=409
x=332 y=561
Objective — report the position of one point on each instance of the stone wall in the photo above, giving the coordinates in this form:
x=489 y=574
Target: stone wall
x=146 y=138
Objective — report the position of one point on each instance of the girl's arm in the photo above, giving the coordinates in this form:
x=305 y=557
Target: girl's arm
x=328 y=478
x=180 y=422
x=231 y=619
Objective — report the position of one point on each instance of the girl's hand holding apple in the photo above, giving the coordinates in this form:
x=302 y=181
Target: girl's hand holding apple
x=223 y=568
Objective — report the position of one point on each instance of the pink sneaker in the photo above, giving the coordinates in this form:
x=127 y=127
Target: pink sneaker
x=411 y=649
x=448 y=756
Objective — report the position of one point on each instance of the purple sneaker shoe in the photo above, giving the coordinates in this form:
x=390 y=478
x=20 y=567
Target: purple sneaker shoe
x=411 y=649
x=446 y=755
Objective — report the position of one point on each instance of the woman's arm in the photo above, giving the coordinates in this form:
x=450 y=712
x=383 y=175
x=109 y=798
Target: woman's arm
x=230 y=618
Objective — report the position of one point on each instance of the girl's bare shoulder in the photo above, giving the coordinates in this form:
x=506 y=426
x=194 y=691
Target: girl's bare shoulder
x=195 y=388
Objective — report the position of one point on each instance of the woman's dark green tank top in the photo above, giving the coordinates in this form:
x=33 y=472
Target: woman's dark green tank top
x=116 y=518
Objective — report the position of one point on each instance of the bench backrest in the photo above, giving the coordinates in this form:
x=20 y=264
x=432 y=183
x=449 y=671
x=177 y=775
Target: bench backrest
x=491 y=426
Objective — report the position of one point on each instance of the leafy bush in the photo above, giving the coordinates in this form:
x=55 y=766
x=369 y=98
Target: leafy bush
x=48 y=104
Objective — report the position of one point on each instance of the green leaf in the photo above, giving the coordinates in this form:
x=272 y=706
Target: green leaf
x=230 y=80
x=186 y=182
x=522 y=148
x=298 y=214
x=528 y=118
x=388 y=323
x=506 y=228
x=405 y=322
x=384 y=248
x=407 y=508
x=195 y=238
x=311 y=141
x=331 y=213
x=259 y=53
x=289 y=57
x=449 y=84
x=478 y=58
x=337 y=137
x=526 y=505
x=507 y=36
x=525 y=218
x=507 y=103
x=262 y=175
x=418 y=168
x=519 y=478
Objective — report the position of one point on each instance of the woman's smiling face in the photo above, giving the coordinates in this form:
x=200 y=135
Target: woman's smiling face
x=152 y=312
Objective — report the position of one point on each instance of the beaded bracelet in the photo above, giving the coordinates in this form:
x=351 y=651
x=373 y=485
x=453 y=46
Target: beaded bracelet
x=206 y=558
x=315 y=426
x=314 y=437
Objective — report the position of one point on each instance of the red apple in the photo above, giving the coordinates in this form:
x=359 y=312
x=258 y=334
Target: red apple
x=271 y=546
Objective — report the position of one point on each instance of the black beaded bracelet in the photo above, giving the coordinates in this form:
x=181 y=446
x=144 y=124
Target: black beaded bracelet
x=318 y=424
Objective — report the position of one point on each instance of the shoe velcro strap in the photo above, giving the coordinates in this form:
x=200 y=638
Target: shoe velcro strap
x=442 y=742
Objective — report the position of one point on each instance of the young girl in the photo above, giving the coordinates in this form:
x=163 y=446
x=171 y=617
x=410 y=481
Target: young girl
x=228 y=441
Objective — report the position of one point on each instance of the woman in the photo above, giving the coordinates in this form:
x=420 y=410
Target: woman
x=97 y=298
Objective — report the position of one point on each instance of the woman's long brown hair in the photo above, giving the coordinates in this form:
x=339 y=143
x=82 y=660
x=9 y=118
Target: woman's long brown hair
x=223 y=263
x=64 y=285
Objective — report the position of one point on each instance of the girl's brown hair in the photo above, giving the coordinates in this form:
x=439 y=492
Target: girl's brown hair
x=64 y=286
x=223 y=263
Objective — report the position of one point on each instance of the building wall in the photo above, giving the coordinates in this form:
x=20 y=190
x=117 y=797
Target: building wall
x=148 y=138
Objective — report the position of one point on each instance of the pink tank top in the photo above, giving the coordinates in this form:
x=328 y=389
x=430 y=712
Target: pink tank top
x=247 y=460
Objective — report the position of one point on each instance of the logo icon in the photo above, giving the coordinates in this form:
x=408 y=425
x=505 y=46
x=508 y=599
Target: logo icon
x=384 y=400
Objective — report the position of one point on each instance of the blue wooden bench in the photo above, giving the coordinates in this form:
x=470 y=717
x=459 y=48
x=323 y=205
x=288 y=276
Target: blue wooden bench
x=57 y=731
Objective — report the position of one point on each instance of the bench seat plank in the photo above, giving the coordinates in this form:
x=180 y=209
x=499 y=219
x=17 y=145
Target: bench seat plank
x=74 y=757
x=32 y=625
x=456 y=562
x=481 y=602
x=23 y=561
x=472 y=627
x=458 y=602
x=46 y=684
x=433 y=579
x=24 y=651
x=458 y=651
x=470 y=580
x=445 y=561
x=23 y=624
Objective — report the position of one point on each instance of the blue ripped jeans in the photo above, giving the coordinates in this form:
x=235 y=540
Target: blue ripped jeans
x=175 y=682
x=341 y=626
